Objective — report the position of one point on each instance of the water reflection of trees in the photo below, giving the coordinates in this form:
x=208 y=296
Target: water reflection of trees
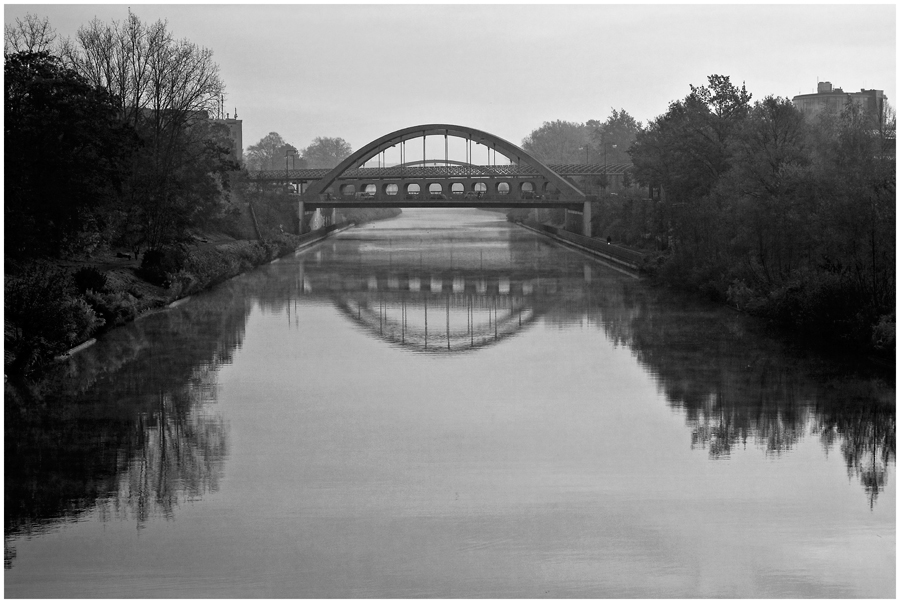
x=862 y=424
x=178 y=450
x=738 y=384
x=127 y=426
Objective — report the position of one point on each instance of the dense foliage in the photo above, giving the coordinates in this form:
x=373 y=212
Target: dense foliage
x=108 y=146
x=610 y=140
x=594 y=142
x=326 y=152
x=785 y=216
x=67 y=156
x=165 y=89
x=558 y=142
x=273 y=153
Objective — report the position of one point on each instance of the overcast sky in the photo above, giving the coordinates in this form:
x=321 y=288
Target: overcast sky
x=361 y=71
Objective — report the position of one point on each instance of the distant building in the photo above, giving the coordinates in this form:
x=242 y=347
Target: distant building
x=235 y=128
x=832 y=100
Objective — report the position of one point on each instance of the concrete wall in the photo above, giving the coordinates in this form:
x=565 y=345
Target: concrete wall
x=627 y=257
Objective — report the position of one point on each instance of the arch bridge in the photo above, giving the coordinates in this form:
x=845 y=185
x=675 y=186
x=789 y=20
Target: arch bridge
x=525 y=182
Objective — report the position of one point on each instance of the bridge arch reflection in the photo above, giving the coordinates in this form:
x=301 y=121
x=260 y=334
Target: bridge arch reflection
x=403 y=320
x=434 y=311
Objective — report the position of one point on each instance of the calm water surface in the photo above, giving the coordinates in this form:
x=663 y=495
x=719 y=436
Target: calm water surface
x=444 y=405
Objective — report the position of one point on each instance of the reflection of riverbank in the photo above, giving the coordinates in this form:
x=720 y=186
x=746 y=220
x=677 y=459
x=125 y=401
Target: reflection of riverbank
x=126 y=427
x=735 y=383
x=738 y=385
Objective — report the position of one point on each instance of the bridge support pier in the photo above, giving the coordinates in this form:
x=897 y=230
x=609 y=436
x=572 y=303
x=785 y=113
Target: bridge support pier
x=586 y=219
x=300 y=217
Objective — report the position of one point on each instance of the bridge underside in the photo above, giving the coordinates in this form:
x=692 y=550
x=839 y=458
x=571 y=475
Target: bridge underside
x=505 y=189
x=498 y=203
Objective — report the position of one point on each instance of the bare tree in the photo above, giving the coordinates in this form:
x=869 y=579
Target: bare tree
x=166 y=89
x=30 y=34
x=147 y=69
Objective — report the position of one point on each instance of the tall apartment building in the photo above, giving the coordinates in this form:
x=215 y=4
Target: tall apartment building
x=832 y=100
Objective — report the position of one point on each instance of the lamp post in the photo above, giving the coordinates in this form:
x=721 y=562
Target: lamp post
x=587 y=151
x=289 y=153
x=606 y=145
x=287 y=175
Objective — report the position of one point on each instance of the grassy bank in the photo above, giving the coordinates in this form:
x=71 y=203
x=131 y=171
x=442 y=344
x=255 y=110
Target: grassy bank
x=52 y=306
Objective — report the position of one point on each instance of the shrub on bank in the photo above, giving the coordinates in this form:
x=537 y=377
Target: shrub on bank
x=45 y=316
x=205 y=267
x=680 y=271
x=157 y=264
x=114 y=307
x=50 y=310
x=89 y=279
x=823 y=305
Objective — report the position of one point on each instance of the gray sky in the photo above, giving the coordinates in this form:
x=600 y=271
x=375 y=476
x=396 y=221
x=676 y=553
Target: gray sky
x=360 y=71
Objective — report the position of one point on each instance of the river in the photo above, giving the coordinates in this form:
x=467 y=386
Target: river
x=447 y=405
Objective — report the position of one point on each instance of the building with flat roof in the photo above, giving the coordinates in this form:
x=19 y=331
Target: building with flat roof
x=828 y=99
x=235 y=129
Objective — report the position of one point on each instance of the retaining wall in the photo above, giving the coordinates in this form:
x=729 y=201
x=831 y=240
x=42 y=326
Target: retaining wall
x=627 y=257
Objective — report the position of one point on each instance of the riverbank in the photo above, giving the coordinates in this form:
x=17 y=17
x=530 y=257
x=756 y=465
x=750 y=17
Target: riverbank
x=879 y=348
x=55 y=309
x=622 y=257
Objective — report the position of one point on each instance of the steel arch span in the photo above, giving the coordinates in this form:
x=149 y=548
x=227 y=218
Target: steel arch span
x=513 y=152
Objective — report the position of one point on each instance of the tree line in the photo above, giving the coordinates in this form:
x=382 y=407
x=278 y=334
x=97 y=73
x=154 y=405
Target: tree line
x=109 y=147
x=783 y=215
x=273 y=153
x=109 y=138
x=113 y=145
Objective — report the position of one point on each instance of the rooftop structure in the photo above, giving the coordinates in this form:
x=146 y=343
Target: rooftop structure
x=235 y=129
x=828 y=99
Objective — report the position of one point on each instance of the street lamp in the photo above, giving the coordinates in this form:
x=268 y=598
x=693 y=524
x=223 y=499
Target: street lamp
x=289 y=153
x=587 y=179
x=287 y=175
x=606 y=145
